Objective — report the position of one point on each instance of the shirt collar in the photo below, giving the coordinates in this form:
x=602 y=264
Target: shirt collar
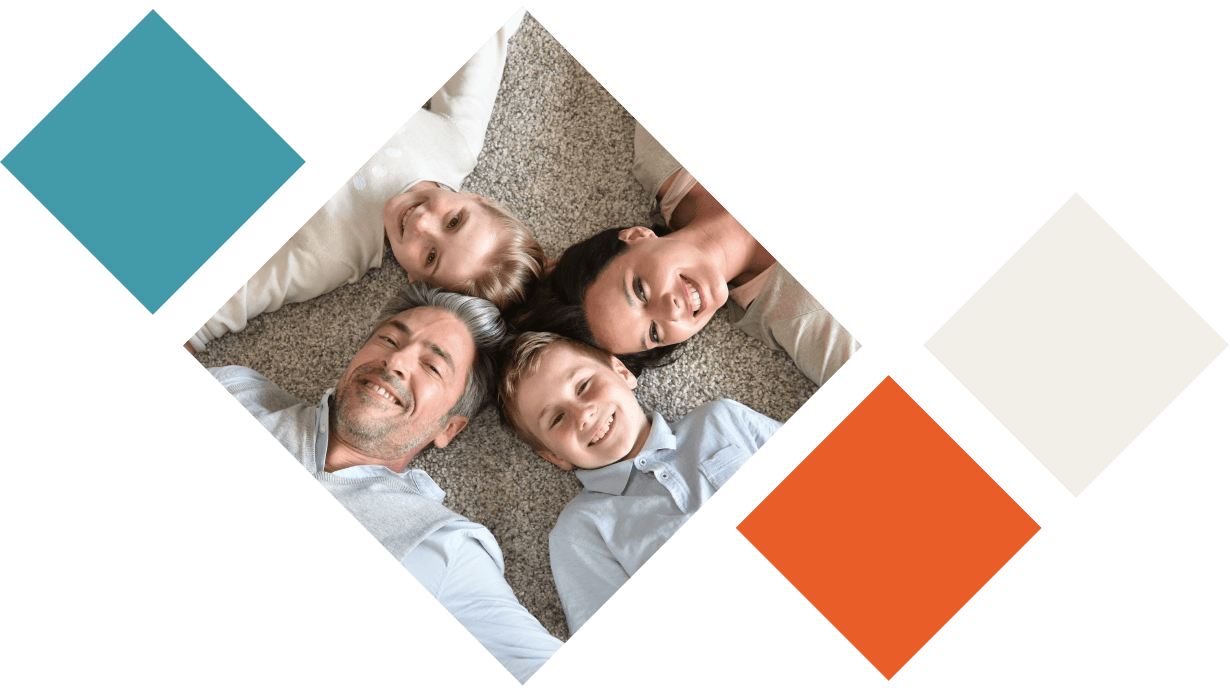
x=613 y=478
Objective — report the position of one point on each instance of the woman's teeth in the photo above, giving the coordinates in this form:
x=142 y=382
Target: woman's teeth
x=695 y=293
x=602 y=430
x=381 y=391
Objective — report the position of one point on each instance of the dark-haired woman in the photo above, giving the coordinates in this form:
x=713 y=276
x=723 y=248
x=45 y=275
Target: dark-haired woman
x=644 y=290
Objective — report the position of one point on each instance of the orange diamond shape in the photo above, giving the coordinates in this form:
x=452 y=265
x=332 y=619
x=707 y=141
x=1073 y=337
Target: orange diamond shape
x=888 y=528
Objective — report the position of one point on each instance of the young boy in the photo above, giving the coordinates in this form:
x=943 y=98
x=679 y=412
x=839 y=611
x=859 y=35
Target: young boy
x=407 y=197
x=643 y=477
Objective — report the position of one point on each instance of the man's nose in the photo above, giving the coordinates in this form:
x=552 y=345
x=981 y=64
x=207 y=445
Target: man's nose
x=402 y=362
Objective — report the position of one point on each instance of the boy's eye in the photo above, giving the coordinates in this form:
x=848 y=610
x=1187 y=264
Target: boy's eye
x=558 y=417
x=582 y=386
x=431 y=257
x=454 y=221
x=639 y=287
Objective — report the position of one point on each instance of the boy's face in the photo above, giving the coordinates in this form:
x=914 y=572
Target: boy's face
x=440 y=237
x=583 y=409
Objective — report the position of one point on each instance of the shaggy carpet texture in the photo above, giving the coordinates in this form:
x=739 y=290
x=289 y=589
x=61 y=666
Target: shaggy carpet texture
x=558 y=154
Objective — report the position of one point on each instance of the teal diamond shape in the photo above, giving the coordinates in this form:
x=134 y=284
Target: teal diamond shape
x=152 y=161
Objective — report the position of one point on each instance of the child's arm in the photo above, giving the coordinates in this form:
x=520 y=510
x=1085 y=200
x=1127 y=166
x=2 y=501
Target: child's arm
x=316 y=260
x=737 y=423
x=468 y=98
x=585 y=578
x=757 y=426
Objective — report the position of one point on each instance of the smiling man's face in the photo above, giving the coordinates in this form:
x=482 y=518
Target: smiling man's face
x=395 y=396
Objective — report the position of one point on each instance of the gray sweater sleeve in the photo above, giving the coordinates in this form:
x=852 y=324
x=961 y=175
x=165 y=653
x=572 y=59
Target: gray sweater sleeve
x=787 y=318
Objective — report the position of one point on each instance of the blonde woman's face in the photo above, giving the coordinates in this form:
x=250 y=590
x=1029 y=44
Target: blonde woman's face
x=443 y=238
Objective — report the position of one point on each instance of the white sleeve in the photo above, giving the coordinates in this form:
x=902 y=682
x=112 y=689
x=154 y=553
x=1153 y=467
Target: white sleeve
x=469 y=96
x=456 y=565
x=319 y=258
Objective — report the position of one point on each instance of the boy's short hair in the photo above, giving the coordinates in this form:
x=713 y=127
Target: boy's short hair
x=522 y=360
x=516 y=264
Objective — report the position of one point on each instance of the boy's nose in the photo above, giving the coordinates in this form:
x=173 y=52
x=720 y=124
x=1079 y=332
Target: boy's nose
x=586 y=414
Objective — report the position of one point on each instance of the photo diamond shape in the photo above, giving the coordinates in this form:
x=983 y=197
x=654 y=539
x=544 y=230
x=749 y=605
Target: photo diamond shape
x=440 y=481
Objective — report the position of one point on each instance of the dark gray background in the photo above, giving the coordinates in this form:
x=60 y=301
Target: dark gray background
x=156 y=538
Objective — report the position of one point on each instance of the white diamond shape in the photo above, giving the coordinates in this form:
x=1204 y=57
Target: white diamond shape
x=1076 y=344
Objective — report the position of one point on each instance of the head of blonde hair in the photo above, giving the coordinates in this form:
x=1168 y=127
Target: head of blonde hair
x=521 y=361
x=514 y=265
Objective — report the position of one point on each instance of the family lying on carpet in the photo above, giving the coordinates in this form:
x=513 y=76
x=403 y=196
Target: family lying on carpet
x=486 y=317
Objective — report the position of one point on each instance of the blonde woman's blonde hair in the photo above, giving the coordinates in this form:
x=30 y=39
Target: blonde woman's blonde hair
x=522 y=360
x=515 y=265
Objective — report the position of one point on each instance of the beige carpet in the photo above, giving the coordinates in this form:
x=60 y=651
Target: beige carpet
x=558 y=153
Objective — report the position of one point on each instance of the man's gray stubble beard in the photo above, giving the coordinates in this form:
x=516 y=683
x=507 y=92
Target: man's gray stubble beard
x=369 y=438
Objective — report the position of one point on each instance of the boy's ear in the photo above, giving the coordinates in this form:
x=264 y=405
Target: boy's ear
x=619 y=367
x=555 y=460
x=451 y=429
x=636 y=233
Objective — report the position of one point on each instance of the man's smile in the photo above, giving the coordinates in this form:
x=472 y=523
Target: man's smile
x=374 y=384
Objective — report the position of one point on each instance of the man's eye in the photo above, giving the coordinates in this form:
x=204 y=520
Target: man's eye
x=454 y=221
x=389 y=340
x=433 y=369
x=431 y=257
x=653 y=333
x=640 y=290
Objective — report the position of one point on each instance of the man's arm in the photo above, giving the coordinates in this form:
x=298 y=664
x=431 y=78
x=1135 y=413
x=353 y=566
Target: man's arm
x=457 y=566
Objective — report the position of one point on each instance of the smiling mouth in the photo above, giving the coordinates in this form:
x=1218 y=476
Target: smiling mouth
x=602 y=430
x=405 y=219
x=693 y=295
x=378 y=391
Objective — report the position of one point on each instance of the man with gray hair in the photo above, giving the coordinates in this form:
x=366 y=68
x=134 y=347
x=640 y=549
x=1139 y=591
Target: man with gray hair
x=423 y=373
